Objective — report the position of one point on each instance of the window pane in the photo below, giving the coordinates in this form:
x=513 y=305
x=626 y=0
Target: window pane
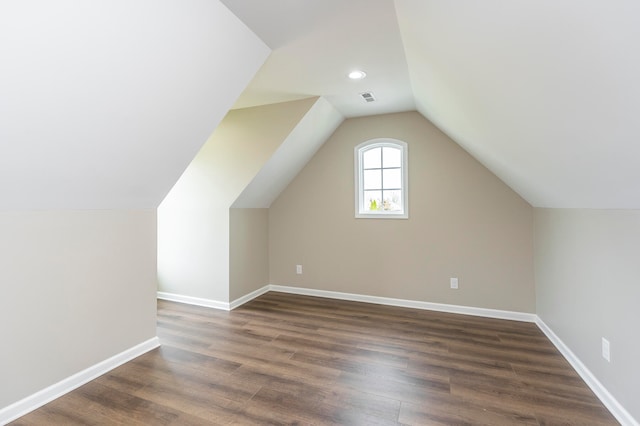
x=391 y=157
x=392 y=178
x=381 y=173
x=372 y=179
x=392 y=201
x=371 y=159
x=372 y=201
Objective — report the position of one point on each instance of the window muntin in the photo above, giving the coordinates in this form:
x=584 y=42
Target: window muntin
x=381 y=179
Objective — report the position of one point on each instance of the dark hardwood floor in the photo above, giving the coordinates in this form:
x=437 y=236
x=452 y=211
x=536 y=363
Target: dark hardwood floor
x=287 y=359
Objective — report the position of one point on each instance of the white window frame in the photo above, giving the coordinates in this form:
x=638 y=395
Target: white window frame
x=360 y=212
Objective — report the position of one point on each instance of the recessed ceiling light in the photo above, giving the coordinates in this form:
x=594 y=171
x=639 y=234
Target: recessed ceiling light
x=357 y=75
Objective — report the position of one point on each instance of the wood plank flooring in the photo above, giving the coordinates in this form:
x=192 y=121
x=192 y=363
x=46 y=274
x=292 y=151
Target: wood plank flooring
x=288 y=359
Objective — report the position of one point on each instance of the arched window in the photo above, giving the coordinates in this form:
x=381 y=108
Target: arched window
x=381 y=179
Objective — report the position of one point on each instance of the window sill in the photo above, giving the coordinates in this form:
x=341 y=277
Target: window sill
x=382 y=216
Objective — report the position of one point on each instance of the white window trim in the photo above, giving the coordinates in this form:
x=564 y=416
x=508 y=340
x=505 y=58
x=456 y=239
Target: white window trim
x=358 y=178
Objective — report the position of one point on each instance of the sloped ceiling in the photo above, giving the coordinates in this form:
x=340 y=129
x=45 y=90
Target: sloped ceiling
x=543 y=93
x=308 y=135
x=316 y=43
x=103 y=104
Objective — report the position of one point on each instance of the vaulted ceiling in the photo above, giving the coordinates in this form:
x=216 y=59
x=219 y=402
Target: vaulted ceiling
x=104 y=103
x=544 y=93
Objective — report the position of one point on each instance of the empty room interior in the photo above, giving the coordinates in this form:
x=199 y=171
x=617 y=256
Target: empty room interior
x=319 y=212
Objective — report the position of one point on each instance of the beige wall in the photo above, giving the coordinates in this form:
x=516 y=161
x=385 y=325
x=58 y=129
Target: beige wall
x=77 y=288
x=587 y=268
x=193 y=220
x=463 y=222
x=248 y=251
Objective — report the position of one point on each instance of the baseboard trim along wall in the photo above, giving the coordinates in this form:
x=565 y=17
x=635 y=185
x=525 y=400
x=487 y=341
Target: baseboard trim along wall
x=246 y=298
x=197 y=301
x=601 y=392
x=440 y=307
x=40 y=398
x=32 y=402
x=210 y=303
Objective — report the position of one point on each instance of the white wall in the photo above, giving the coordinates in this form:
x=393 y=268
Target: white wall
x=77 y=288
x=587 y=268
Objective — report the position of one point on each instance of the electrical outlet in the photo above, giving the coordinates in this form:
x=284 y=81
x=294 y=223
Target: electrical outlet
x=454 y=283
x=606 y=350
x=299 y=269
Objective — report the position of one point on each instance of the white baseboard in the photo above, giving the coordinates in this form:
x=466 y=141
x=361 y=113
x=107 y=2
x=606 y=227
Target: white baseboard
x=40 y=398
x=32 y=402
x=197 y=301
x=601 y=392
x=618 y=411
x=246 y=298
x=209 y=303
x=440 y=307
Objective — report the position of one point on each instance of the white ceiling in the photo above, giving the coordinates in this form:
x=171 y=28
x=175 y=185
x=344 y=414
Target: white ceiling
x=316 y=43
x=308 y=135
x=104 y=103
x=544 y=93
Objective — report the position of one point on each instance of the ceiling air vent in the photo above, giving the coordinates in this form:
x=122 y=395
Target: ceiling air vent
x=368 y=96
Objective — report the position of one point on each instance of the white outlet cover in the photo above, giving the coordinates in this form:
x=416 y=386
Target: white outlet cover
x=454 y=283
x=299 y=269
x=606 y=350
